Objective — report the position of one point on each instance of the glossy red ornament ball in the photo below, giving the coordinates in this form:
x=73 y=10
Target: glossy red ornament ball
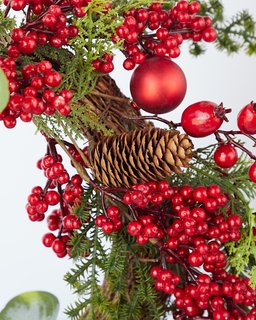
x=225 y=156
x=158 y=85
x=246 y=119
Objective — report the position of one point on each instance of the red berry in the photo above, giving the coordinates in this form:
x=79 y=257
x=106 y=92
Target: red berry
x=225 y=156
x=194 y=7
x=155 y=272
x=44 y=67
x=210 y=205
x=213 y=190
x=17 y=34
x=107 y=227
x=100 y=220
x=234 y=221
x=27 y=45
x=48 y=239
x=134 y=228
x=202 y=118
x=52 y=79
x=9 y=122
x=18 y=5
x=198 y=214
x=58 y=246
x=221 y=314
x=66 y=94
x=106 y=67
x=52 y=198
x=200 y=193
x=50 y=20
x=195 y=259
x=141 y=239
x=128 y=64
x=113 y=212
x=209 y=34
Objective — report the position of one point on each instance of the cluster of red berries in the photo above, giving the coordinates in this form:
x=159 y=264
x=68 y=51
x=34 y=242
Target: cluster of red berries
x=60 y=189
x=145 y=229
x=104 y=64
x=47 y=23
x=151 y=192
x=188 y=226
x=31 y=92
x=165 y=279
x=171 y=28
x=76 y=155
x=111 y=222
x=219 y=297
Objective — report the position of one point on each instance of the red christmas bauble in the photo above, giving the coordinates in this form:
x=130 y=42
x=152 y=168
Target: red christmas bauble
x=158 y=85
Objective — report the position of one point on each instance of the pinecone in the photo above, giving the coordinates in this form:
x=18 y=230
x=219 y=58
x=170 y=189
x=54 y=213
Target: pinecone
x=139 y=156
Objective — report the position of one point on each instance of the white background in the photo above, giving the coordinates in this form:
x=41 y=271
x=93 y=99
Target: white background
x=25 y=264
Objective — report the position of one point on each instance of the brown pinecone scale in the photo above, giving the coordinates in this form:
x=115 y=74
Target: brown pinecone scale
x=138 y=156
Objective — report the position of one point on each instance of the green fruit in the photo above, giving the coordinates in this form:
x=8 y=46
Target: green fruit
x=4 y=91
x=36 y=305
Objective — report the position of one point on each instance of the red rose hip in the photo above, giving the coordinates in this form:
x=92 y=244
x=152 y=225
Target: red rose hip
x=202 y=118
x=246 y=119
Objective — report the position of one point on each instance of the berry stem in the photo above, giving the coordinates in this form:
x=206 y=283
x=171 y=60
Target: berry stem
x=233 y=133
x=154 y=117
x=234 y=142
x=103 y=204
x=47 y=185
x=8 y=7
x=184 y=265
x=28 y=14
x=107 y=96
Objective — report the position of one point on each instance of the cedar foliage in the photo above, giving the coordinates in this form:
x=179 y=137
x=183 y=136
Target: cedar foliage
x=126 y=292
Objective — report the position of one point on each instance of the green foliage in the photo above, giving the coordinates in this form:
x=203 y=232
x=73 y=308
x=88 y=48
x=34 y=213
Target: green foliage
x=84 y=278
x=127 y=292
x=6 y=25
x=38 y=305
x=238 y=33
x=234 y=35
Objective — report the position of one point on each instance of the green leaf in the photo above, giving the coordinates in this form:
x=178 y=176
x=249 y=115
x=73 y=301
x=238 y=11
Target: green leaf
x=36 y=305
x=4 y=91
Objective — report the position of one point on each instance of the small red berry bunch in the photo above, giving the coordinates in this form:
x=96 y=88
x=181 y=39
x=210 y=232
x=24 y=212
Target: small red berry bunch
x=218 y=296
x=104 y=64
x=46 y=23
x=170 y=28
x=145 y=229
x=151 y=192
x=77 y=156
x=111 y=222
x=165 y=279
x=32 y=92
x=62 y=190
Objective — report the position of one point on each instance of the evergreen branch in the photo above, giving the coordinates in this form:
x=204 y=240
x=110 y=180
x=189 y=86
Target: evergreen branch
x=6 y=25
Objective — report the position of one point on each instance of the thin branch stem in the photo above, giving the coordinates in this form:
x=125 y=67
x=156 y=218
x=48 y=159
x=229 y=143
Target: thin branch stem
x=107 y=96
x=85 y=160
